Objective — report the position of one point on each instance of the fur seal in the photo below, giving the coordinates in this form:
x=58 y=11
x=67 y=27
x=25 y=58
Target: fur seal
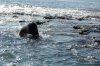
x=30 y=31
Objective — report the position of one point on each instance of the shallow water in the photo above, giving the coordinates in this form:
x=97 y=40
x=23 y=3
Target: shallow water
x=60 y=45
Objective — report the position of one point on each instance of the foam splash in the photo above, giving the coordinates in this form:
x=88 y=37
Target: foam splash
x=1 y=22
x=44 y=36
x=42 y=11
x=74 y=52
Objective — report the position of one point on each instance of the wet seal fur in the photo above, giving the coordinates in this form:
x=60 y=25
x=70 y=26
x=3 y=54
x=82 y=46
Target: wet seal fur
x=30 y=31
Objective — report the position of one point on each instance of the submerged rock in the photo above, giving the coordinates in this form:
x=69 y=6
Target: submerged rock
x=84 y=31
x=93 y=16
x=77 y=27
x=49 y=17
x=14 y=16
x=38 y=22
x=17 y=13
x=68 y=17
x=96 y=39
x=41 y=22
x=80 y=19
x=22 y=21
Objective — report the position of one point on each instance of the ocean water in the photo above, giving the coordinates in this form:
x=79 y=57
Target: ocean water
x=60 y=45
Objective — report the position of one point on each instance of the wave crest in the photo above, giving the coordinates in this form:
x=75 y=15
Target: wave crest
x=42 y=11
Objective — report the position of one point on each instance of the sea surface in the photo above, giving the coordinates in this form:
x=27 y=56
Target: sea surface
x=61 y=44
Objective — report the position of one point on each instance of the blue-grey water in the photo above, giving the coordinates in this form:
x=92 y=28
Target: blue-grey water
x=60 y=45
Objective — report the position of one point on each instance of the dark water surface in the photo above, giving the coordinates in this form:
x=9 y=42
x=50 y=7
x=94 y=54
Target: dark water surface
x=60 y=45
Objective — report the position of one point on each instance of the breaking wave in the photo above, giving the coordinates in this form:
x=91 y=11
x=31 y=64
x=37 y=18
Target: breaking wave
x=43 y=11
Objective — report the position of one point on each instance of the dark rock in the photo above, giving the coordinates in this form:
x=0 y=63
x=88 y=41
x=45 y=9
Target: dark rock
x=84 y=31
x=22 y=21
x=61 y=17
x=80 y=19
x=15 y=16
x=96 y=39
x=39 y=23
x=68 y=17
x=93 y=16
x=77 y=27
x=49 y=20
x=49 y=17
x=22 y=13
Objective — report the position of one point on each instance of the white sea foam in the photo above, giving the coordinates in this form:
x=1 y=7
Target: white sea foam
x=42 y=11
x=1 y=21
x=74 y=52
x=44 y=36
